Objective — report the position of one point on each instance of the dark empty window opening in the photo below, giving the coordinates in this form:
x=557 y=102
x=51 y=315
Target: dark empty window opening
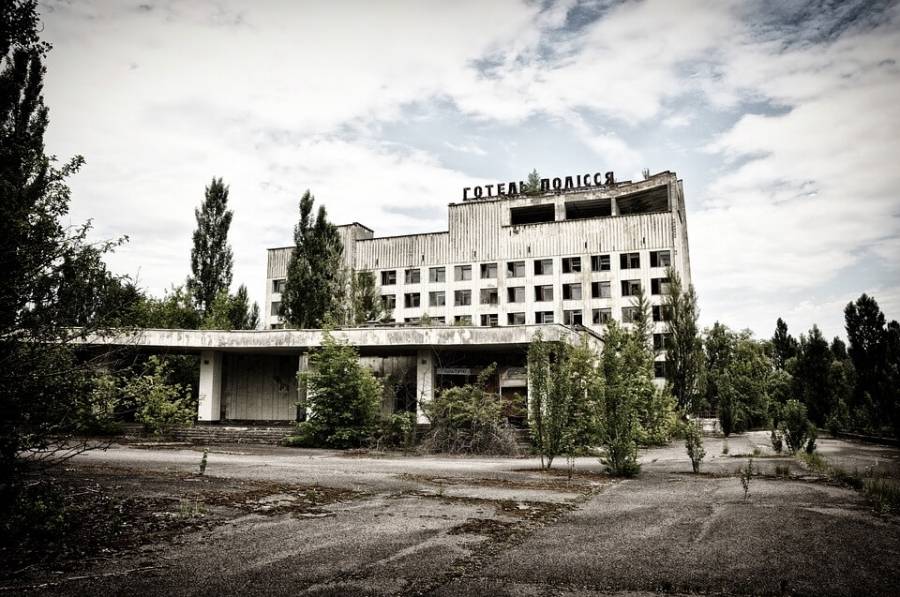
x=532 y=214
x=645 y=202
x=594 y=208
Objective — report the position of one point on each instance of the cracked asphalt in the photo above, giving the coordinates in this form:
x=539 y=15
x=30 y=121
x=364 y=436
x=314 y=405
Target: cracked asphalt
x=493 y=526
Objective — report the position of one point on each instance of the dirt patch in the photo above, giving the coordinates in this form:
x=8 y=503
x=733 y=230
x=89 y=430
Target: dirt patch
x=585 y=483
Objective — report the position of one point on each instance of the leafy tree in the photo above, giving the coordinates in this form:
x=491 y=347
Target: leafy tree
x=693 y=444
x=367 y=305
x=811 y=376
x=232 y=312
x=795 y=425
x=742 y=382
x=211 y=257
x=174 y=311
x=314 y=289
x=161 y=406
x=784 y=346
x=533 y=184
x=685 y=353
x=718 y=348
x=624 y=386
x=342 y=397
x=839 y=349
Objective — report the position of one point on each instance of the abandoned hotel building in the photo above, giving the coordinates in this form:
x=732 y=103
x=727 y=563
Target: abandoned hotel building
x=562 y=261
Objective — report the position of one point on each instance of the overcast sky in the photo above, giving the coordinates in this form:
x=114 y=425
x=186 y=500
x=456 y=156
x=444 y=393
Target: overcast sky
x=782 y=118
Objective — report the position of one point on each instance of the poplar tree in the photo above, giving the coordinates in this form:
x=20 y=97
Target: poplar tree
x=314 y=289
x=685 y=352
x=211 y=257
x=784 y=346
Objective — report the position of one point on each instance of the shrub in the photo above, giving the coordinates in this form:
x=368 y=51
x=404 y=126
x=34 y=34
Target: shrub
x=777 y=439
x=746 y=475
x=795 y=425
x=811 y=443
x=884 y=493
x=627 y=376
x=693 y=443
x=342 y=396
x=396 y=431
x=469 y=420
x=161 y=406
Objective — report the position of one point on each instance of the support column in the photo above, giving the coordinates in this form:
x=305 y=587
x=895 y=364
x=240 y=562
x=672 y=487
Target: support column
x=302 y=367
x=424 y=382
x=209 y=407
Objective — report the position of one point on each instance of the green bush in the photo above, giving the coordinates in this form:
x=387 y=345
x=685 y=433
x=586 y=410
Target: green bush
x=693 y=443
x=795 y=425
x=469 y=420
x=342 y=397
x=397 y=431
x=777 y=439
x=161 y=406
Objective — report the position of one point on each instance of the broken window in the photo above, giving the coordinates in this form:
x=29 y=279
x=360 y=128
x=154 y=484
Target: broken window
x=661 y=341
x=462 y=320
x=600 y=263
x=515 y=269
x=278 y=285
x=543 y=267
x=543 y=317
x=571 y=292
x=532 y=214
x=412 y=300
x=631 y=314
x=630 y=260
x=389 y=301
x=490 y=320
x=571 y=265
x=543 y=293
x=413 y=320
x=602 y=316
x=592 y=208
x=659 y=286
x=572 y=317
x=276 y=326
x=659 y=368
x=631 y=287
x=462 y=298
x=489 y=296
x=462 y=272
x=488 y=271
x=660 y=258
x=440 y=320
x=437 y=299
x=276 y=308
x=515 y=318
x=515 y=294
x=389 y=277
x=413 y=276
x=437 y=274
x=644 y=202
x=662 y=312
x=601 y=289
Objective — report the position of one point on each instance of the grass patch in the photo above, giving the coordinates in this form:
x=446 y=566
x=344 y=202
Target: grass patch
x=884 y=493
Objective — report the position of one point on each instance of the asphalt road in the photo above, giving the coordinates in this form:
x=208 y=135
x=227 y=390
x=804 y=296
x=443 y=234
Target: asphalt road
x=493 y=526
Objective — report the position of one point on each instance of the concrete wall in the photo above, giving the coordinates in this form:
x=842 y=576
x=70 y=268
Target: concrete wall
x=259 y=387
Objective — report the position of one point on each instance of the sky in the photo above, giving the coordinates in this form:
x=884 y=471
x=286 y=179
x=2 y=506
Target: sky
x=781 y=117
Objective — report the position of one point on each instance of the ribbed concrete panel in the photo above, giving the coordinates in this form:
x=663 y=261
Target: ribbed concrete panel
x=278 y=262
x=259 y=387
x=402 y=251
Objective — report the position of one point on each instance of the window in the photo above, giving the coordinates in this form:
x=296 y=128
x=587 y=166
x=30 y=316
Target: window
x=413 y=276
x=389 y=301
x=278 y=285
x=437 y=274
x=439 y=320
x=660 y=258
x=631 y=287
x=571 y=292
x=543 y=267
x=389 y=277
x=630 y=314
x=412 y=300
x=276 y=308
x=543 y=317
x=462 y=297
x=630 y=260
x=659 y=368
x=601 y=316
x=659 y=286
x=462 y=320
x=600 y=263
x=543 y=293
x=662 y=313
x=515 y=269
x=532 y=214
x=515 y=294
x=515 y=318
x=489 y=296
x=490 y=320
x=488 y=271
x=462 y=272
x=572 y=317
x=600 y=290
x=571 y=265
x=437 y=299
x=412 y=320
x=662 y=341
x=276 y=326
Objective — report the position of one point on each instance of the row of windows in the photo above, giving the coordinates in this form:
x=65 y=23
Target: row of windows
x=570 y=317
x=516 y=269
x=516 y=294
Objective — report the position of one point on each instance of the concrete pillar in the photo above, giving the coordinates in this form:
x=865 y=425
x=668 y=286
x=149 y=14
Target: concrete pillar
x=209 y=407
x=302 y=367
x=614 y=206
x=424 y=381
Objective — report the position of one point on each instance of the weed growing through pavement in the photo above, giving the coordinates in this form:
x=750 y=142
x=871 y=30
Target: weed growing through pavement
x=782 y=470
x=725 y=447
x=203 y=461
x=746 y=475
x=190 y=509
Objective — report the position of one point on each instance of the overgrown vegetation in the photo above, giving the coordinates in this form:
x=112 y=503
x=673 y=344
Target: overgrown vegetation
x=161 y=406
x=693 y=443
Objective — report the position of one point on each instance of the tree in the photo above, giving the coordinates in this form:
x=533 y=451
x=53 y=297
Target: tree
x=685 y=351
x=623 y=386
x=533 y=185
x=313 y=290
x=366 y=302
x=784 y=346
x=161 y=406
x=811 y=376
x=232 y=312
x=342 y=397
x=211 y=257
x=718 y=348
x=869 y=340
x=693 y=444
x=743 y=386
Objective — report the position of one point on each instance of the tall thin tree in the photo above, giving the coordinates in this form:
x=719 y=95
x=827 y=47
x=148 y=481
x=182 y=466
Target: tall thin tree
x=211 y=257
x=684 y=353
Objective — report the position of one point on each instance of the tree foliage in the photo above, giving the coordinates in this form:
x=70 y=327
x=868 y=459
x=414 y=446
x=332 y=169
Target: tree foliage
x=314 y=289
x=685 y=352
x=161 y=405
x=366 y=305
x=784 y=346
x=211 y=256
x=232 y=312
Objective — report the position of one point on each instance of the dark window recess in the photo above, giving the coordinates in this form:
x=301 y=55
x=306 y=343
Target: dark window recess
x=631 y=287
x=490 y=320
x=543 y=317
x=660 y=258
x=629 y=261
x=571 y=292
x=515 y=318
x=515 y=269
x=515 y=295
x=278 y=285
x=600 y=290
x=489 y=296
x=543 y=293
x=389 y=277
x=413 y=276
x=462 y=298
x=645 y=202
x=389 y=301
x=462 y=319
x=662 y=312
x=602 y=315
x=572 y=317
x=662 y=341
x=630 y=314
x=532 y=214
x=412 y=299
x=659 y=368
x=543 y=267
x=595 y=208
x=488 y=270
x=571 y=265
x=659 y=286
x=600 y=263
